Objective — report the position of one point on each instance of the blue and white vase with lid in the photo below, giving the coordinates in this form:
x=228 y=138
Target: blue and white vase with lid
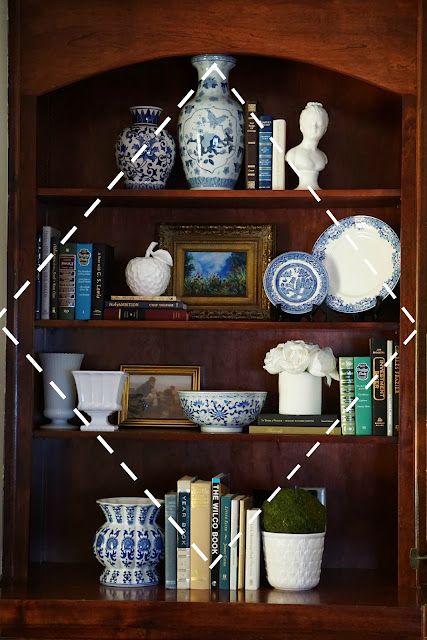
x=152 y=167
x=211 y=128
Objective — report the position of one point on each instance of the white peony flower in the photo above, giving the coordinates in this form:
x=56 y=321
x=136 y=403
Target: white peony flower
x=323 y=363
x=273 y=362
x=297 y=355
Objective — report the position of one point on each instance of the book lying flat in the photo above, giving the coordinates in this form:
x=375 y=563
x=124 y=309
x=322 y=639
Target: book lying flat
x=293 y=430
x=292 y=420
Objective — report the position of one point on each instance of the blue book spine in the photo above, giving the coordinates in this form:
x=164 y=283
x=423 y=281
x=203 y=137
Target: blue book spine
x=38 y=291
x=83 y=281
x=265 y=153
x=224 y=572
x=170 y=541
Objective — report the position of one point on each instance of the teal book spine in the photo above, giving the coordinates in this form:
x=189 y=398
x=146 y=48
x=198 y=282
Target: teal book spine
x=224 y=572
x=265 y=153
x=170 y=540
x=346 y=367
x=363 y=407
x=83 y=280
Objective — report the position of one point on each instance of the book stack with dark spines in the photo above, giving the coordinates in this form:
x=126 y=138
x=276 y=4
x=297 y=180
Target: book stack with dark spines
x=76 y=282
x=264 y=159
x=291 y=425
x=145 y=308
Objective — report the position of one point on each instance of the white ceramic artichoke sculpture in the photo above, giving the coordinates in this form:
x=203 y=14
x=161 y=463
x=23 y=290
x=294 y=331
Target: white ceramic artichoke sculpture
x=149 y=276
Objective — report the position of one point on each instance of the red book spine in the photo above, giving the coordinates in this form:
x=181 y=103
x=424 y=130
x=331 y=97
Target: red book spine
x=114 y=313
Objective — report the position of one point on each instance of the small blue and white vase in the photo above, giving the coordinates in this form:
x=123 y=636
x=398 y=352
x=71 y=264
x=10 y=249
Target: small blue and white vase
x=211 y=129
x=130 y=544
x=151 y=169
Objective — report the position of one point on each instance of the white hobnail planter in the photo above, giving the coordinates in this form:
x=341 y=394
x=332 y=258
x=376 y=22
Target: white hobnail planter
x=293 y=560
x=100 y=393
x=300 y=394
x=57 y=367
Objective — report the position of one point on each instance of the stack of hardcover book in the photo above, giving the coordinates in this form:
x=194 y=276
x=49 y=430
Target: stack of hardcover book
x=220 y=543
x=76 y=280
x=145 y=308
x=294 y=425
x=372 y=384
x=265 y=148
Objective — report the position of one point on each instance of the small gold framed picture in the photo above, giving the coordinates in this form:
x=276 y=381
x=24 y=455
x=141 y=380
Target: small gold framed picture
x=150 y=397
x=218 y=269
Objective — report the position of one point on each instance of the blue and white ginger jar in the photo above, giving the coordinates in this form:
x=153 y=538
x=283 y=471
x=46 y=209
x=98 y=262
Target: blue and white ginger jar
x=151 y=169
x=130 y=544
x=211 y=129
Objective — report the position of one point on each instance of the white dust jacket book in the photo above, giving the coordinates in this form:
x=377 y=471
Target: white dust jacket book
x=234 y=548
x=253 y=550
x=390 y=388
x=278 y=172
x=183 y=543
x=245 y=504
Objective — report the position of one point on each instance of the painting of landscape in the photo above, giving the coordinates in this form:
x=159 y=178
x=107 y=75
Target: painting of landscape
x=215 y=273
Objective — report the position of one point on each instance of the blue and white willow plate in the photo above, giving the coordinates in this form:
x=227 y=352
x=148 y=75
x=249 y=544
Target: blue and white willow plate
x=361 y=255
x=295 y=281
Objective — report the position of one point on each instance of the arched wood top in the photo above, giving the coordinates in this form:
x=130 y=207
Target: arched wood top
x=63 y=41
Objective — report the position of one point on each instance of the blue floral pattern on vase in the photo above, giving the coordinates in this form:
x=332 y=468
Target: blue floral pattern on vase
x=152 y=167
x=222 y=411
x=295 y=281
x=130 y=544
x=211 y=129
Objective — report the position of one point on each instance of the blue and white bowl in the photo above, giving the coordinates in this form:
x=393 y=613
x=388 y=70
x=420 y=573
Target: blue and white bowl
x=222 y=411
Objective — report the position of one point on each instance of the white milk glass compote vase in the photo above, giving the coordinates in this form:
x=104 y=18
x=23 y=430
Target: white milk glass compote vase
x=57 y=368
x=100 y=393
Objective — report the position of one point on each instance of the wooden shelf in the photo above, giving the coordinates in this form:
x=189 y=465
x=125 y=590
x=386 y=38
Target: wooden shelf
x=70 y=599
x=236 y=325
x=191 y=435
x=235 y=198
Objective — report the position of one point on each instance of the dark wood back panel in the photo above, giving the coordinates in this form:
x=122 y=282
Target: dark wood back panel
x=71 y=474
x=79 y=124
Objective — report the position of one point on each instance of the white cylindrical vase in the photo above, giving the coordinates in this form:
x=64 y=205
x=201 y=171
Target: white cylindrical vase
x=100 y=393
x=300 y=394
x=57 y=368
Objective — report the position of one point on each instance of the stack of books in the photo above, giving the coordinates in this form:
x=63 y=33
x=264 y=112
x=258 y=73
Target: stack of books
x=374 y=381
x=145 y=308
x=265 y=159
x=76 y=281
x=220 y=543
x=293 y=425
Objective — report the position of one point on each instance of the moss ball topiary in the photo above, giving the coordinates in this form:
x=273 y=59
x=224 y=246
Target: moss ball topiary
x=294 y=511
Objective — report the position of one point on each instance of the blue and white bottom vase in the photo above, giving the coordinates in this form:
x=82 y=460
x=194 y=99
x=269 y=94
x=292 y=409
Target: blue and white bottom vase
x=151 y=168
x=211 y=128
x=130 y=544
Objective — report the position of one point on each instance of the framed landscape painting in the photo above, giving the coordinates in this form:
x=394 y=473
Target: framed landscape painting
x=150 y=397
x=218 y=269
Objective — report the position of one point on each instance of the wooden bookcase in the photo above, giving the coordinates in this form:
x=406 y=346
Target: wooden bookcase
x=74 y=73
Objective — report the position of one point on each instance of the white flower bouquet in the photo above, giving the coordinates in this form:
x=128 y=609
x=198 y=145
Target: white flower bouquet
x=297 y=356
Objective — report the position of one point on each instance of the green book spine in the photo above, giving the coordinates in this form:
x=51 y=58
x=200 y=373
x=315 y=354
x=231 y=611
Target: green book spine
x=224 y=571
x=67 y=281
x=363 y=408
x=346 y=368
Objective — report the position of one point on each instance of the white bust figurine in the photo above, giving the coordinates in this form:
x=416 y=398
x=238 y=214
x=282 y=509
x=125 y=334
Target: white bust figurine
x=306 y=159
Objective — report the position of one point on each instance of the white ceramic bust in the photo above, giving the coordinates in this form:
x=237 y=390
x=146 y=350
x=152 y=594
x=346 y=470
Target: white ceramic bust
x=306 y=159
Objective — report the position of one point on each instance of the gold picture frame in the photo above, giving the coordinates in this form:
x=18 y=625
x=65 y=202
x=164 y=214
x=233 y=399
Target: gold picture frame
x=243 y=295
x=155 y=402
